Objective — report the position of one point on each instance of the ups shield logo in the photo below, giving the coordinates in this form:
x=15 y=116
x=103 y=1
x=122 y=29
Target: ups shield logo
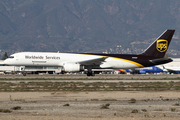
x=161 y=45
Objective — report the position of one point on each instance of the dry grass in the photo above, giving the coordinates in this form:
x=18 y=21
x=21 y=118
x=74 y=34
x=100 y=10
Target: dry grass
x=95 y=86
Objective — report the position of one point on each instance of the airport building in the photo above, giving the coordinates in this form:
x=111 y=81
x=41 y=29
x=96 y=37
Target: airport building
x=28 y=69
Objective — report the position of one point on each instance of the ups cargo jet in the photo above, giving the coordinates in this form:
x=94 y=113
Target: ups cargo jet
x=74 y=62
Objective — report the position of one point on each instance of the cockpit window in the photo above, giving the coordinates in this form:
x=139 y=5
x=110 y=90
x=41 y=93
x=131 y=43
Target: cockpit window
x=11 y=57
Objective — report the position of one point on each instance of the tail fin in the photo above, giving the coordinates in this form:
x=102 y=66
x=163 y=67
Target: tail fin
x=159 y=47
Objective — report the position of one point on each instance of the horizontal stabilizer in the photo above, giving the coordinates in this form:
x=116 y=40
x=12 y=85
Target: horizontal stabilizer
x=161 y=61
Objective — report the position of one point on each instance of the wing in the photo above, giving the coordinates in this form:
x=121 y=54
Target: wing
x=97 y=61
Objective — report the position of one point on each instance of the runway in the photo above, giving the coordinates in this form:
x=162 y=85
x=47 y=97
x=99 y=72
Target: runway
x=98 y=78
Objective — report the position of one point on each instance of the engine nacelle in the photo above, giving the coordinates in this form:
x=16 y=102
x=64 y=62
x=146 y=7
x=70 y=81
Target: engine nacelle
x=73 y=67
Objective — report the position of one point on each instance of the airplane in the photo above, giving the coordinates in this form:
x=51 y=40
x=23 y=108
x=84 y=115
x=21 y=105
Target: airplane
x=151 y=69
x=75 y=62
x=172 y=67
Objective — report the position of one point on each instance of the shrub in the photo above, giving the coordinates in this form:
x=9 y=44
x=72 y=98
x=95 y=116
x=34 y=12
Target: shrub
x=173 y=109
x=16 y=108
x=132 y=100
x=144 y=110
x=66 y=104
x=134 y=111
x=105 y=106
x=176 y=104
x=5 y=111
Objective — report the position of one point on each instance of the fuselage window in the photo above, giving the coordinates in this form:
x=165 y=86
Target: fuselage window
x=11 y=57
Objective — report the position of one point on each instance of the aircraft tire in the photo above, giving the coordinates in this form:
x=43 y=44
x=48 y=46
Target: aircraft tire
x=24 y=74
x=90 y=74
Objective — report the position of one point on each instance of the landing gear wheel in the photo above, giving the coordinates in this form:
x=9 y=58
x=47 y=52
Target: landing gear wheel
x=24 y=74
x=90 y=74
x=62 y=72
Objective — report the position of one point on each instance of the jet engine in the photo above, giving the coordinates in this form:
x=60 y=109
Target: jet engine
x=73 y=67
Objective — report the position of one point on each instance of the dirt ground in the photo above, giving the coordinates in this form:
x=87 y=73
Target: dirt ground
x=152 y=105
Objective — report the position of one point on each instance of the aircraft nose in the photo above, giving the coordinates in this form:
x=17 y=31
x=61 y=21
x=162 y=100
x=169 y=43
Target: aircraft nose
x=6 y=61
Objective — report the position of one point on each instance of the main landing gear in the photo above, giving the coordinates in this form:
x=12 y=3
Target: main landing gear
x=90 y=73
x=24 y=73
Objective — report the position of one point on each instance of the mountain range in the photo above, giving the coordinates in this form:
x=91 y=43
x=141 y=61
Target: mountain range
x=94 y=26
